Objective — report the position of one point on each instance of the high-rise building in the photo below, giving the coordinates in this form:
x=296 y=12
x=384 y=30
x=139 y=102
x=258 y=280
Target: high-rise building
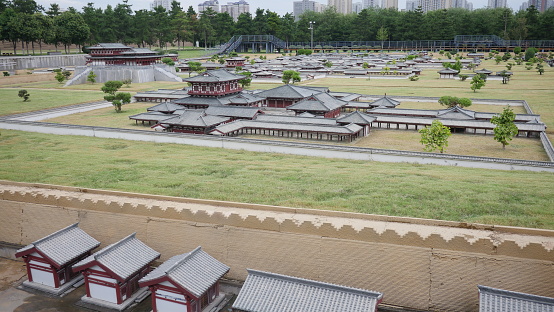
x=235 y=9
x=493 y=4
x=342 y=6
x=166 y=4
x=214 y=4
x=357 y=7
x=540 y=5
x=389 y=4
x=464 y=4
x=433 y=5
x=371 y=4
x=411 y=5
x=299 y=7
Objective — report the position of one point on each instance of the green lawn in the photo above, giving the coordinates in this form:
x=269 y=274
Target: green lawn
x=448 y=193
x=10 y=103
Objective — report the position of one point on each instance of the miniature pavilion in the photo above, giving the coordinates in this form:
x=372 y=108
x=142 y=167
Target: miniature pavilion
x=263 y=292
x=49 y=259
x=185 y=283
x=112 y=274
x=120 y=54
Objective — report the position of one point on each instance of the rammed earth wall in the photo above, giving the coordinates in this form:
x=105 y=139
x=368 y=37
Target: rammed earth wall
x=422 y=264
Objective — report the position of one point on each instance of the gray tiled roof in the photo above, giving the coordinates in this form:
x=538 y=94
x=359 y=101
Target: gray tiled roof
x=151 y=116
x=256 y=124
x=321 y=102
x=483 y=71
x=164 y=107
x=195 y=271
x=498 y=300
x=110 y=46
x=357 y=118
x=123 y=258
x=219 y=75
x=198 y=100
x=233 y=111
x=385 y=102
x=63 y=246
x=448 y=71
x=456 y=113
x=297 y=119
x=195 y=118
x=269 y=292
x=289 y=92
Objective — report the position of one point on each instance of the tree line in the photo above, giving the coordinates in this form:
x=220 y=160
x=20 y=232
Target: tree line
x=25 y=23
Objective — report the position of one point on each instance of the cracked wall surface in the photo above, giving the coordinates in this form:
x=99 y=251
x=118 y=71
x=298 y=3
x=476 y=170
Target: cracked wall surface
x=417 y=263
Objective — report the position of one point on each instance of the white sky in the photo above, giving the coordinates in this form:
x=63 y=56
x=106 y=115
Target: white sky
x=279 y=6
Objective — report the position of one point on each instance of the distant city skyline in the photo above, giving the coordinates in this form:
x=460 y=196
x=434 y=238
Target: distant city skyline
x=281 y=7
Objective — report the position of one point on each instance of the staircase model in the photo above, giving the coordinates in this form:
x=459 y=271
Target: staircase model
x=253 y=43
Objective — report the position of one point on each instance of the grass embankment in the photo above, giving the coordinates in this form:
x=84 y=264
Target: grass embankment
x=447 y=193
x=10 y=103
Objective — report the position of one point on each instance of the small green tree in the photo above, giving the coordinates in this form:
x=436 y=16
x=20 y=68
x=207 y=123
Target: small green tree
x=120 y=99
x=66 y=74
x=127 y=82
x=91 y=77
x=413 y=78
x=168 y=61
x=505 y=128
x=24 y=94
x=289 y=75
x=59 y=76
x=477 y=82
x=247 y=80
x=530 y=53
x=195 y=67
x=111 y=87
x=498 y=59
x=6 y=74
x=382 y=35
x=505 y=76
x=540 y=68
x=451 y=101
x=463 y=77
x=435 y=137
x=329 y=64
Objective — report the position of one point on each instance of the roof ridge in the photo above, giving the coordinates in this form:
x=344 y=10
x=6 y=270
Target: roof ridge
x=58 y=232
x=185 y=259
x=112 y=246
x=314 y=283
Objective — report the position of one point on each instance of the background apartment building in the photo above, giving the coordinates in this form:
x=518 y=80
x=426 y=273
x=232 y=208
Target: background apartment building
x=235 y=8
x=214 y=4
x=342 y=6
x=166 y=4
x=299 y=7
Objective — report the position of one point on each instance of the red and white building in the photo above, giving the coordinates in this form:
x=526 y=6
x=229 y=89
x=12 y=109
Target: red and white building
x=112 y=274
x=287 y=95
x=49 y=259
x=235 y=61
x=215 y=83
x=185 y=283
x=120 y=54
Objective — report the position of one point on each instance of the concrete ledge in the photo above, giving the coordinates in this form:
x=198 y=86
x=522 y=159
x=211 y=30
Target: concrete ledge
x=101 y=305
x=66 y=288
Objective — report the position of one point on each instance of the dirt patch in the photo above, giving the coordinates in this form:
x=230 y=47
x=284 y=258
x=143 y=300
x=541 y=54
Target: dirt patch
x=11 y=272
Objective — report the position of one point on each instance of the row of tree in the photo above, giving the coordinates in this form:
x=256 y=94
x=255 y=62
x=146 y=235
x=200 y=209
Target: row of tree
x=24 y=21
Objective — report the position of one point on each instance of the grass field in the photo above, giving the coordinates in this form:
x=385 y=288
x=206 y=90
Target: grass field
x=449 y=193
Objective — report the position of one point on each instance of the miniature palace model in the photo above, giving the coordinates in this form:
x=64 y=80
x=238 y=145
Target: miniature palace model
x=185 y=283
x=216 y=104
x=49 y=259
x=120 y=54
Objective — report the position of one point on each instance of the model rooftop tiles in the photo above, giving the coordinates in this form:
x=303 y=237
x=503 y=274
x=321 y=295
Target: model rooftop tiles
x=62 y=246
x=219 y=75
x=195 y=271
x=498 y=300
x=269 y=292
x=123 y=258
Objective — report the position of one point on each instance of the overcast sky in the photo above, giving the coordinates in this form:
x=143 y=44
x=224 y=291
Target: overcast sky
x=279 y=6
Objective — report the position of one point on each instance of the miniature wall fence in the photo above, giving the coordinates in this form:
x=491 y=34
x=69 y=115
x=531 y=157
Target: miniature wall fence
x=416 y=263
x=46 y=61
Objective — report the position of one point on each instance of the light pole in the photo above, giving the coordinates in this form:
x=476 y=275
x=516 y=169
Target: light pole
x=311 y=28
